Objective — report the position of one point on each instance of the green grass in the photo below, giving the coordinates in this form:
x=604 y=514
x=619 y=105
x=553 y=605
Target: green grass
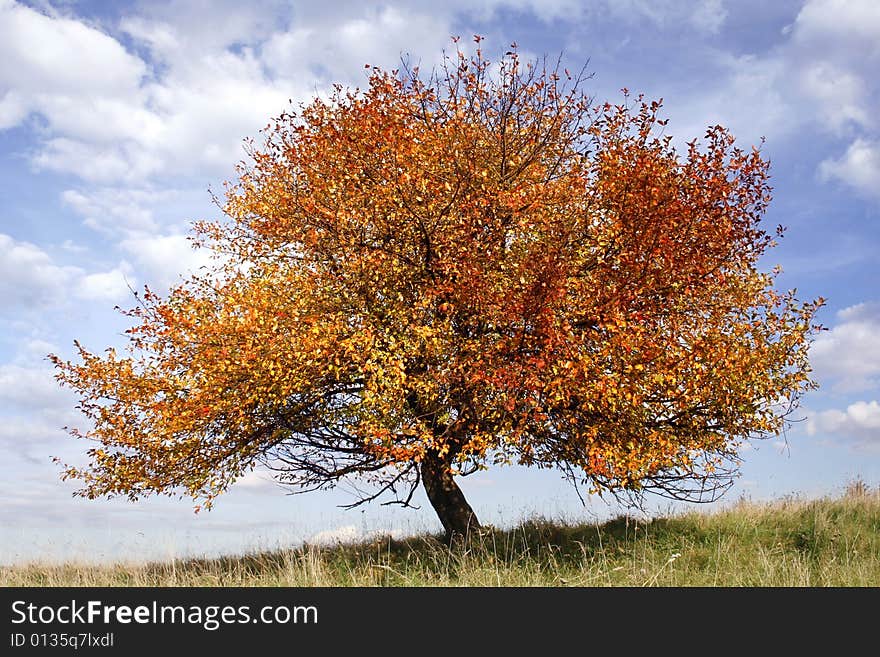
x=792 y=542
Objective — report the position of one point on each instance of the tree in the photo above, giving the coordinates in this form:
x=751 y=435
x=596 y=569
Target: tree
x=436 y=274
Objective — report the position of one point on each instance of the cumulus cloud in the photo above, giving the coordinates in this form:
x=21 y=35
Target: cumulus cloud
x=706 y=16
x=34 y=411
x=859 y=422
x=255 y=480
x=841 y=94
x=709 y=16
x=223 y=76
x=72 y=59
x=852 y=25
x=848 y=355
x=121 y=162
x=820 y=76
x=30 y=278
x=37 y=347
x=702 y=16
x=83 y=82
x=338 y=50
x=752 y=99
x=207 y=107
x=115 y=210
x=858 y=167
x=164 y=259
x=204 y=25
x=113 y=285
x=13 y=109
x=835 y=43
x=835 y=53
x=212 y=74
x=19 y=434
x=349 y=534
x=344 y=534
x=112 y=118
x=32 y=388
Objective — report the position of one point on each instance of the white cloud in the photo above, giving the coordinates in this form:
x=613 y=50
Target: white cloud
x=53 y=57
x=821 y=76
x=36 y=347
x=72 y=247
x=30 y=388
x=860 y=422
x=217 y=75
x=840 y=24
x=13 y=109
x=205 y=25
x=85 y=85
x=100 y=120
x=29 y=277
x=34 y=407
x=116 y=210
x=352 y=534
x=867 y=310
x=32 y=439
x=208 y=107
x=704 y=16
x=835 y=50
x=841 y=94
x=123 y=161
x=340 y=49
x=111 y=119
x=865 y=414
x=709 y=16
x=164 y=259
x=113 y=285
x=255 y=480
x=859 y=167
x=752 y=99
x=344 y=534
x=849 y=353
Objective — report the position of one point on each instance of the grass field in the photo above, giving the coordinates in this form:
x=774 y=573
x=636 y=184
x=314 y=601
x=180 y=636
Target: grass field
x=791 y=542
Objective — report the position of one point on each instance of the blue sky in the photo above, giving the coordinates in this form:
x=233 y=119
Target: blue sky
x=116 y=118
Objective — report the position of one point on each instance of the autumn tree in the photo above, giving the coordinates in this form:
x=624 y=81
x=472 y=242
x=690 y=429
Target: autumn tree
x=443 y=272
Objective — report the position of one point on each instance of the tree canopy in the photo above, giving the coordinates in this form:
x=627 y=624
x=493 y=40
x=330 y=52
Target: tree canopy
x=444 y=272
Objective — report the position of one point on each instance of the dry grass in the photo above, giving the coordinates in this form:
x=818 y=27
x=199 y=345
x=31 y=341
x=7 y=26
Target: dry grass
x=792 y=542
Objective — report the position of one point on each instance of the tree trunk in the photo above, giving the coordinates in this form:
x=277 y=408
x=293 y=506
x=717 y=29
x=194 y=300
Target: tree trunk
x=452 y=508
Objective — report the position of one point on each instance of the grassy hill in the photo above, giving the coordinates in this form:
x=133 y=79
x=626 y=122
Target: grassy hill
x=791 y=542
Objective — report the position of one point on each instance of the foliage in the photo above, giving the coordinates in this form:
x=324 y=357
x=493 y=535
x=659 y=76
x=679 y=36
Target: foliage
x=463 y=269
